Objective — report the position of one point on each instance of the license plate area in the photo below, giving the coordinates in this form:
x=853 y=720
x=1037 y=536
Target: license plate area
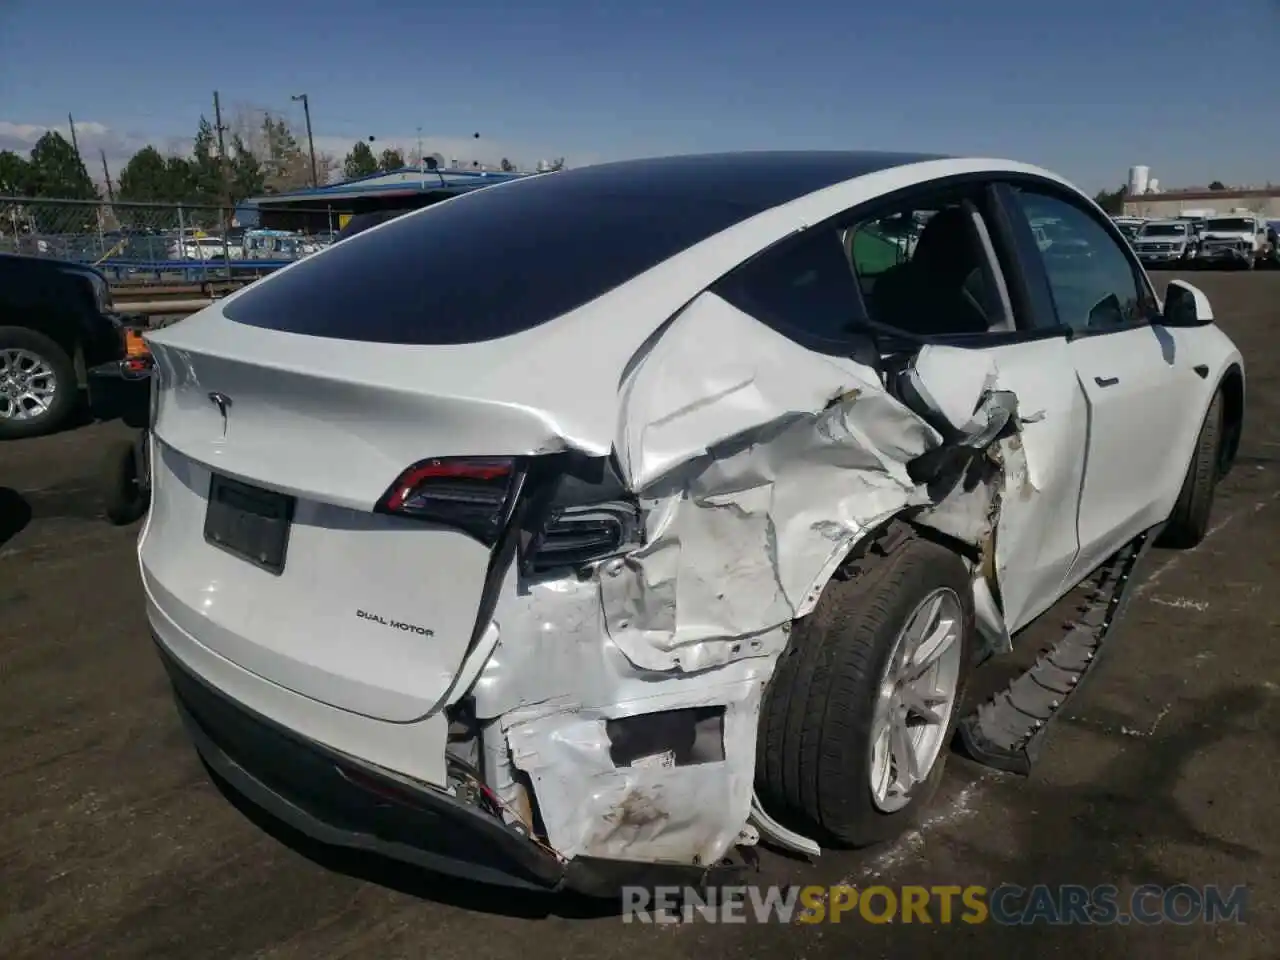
x=249 y=522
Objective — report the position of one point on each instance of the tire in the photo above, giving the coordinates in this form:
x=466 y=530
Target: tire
x=23 y=344
x=124 y=495
x=814 y=753
x=1189 y=521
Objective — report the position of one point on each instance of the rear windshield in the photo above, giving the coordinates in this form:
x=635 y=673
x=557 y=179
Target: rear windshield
x=488 y=264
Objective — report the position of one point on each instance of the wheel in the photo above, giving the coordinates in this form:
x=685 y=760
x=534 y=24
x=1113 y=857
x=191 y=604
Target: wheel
x=1189 y=521
x=38 y=390
x=860 y=712
x=124 y=487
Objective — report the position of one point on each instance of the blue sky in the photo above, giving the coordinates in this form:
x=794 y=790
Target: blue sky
x=1085 y=87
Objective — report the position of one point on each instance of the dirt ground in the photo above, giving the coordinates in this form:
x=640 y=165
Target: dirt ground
x=114 y=843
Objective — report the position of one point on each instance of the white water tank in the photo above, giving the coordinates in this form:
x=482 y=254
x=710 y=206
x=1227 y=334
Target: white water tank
x=1138 y=180
x=1153 y=185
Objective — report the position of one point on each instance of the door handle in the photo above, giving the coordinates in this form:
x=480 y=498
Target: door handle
x=1106 y=381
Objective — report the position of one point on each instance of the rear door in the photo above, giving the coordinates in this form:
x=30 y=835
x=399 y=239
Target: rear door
x=1139 y=390
x=1034 y=542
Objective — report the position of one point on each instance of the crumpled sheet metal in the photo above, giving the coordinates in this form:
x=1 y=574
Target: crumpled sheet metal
x=760 y=464
x=553 y=680
x=687 y=814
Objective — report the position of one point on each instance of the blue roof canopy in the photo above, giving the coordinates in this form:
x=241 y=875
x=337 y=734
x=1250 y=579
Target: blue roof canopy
x=406 y=180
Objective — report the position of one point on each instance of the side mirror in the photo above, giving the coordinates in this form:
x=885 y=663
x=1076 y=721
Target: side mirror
x=1186 y=306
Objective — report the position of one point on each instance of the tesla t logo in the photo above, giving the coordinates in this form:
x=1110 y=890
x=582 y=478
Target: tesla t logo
x=222 y=402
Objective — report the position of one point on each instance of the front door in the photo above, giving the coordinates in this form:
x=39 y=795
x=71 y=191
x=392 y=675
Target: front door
x=1127 y=369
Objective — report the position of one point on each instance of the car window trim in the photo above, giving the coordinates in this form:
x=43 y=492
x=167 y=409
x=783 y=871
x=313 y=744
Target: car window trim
x=1029 y=290
x=968 y=189
x=980 y=182
x=1007 y=183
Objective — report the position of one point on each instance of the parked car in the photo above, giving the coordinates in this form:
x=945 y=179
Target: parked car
x=1237 y=240
x=1162 y=243
x=643 y=517
x=56 y=321
x=1129 y=226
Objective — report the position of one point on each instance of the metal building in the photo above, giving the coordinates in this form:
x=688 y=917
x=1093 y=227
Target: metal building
x=329 y=207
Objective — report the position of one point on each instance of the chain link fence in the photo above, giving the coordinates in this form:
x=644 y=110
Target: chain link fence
x=159 y=243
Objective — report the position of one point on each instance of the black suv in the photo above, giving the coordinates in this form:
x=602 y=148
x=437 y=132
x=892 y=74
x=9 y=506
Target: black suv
x=56 y=323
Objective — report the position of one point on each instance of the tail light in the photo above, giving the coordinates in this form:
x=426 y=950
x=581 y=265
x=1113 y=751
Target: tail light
x=472 y=494
x=579 y=535
x=134 y=345
x=566 y=522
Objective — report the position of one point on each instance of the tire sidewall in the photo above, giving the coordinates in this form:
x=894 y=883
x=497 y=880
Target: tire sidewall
x=1190 y=516
x=66 y=395
x=870 y=824
x=123 y=499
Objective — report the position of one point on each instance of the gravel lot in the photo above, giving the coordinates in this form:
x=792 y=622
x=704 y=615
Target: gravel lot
x=113 y=841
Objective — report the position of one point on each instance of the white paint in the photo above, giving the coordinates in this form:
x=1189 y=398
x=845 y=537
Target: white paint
x=1182 y=603
x=1164 y=712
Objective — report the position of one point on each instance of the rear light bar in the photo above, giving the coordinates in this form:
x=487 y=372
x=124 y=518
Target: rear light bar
x=472 y=494
x=478 y=495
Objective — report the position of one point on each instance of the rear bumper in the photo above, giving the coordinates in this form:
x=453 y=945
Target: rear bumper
x=343 y=801
x=1225 y=255
x=1161 y=259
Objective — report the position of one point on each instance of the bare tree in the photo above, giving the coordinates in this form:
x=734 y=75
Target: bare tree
x=327 y=167
x=271 y=138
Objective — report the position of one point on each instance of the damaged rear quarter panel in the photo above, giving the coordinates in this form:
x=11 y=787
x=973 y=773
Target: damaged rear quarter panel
x=758 y=462
x=759 y=465
x=686 y=814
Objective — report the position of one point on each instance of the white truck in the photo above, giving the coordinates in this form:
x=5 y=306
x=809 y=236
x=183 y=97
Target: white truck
x=1238 y=239
x=1165 y=243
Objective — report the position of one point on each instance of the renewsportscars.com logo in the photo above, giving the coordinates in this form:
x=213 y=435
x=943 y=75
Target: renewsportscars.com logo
x=1007 y=905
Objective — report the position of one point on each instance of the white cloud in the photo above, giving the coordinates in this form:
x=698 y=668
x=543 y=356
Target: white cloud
x=465 y=150
x=92 y=136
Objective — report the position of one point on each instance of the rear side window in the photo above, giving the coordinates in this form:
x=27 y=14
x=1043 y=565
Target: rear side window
x=488 y=264
x=804 y=288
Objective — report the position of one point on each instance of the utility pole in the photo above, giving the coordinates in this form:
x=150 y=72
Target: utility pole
x=75 y=144
x=311 y=144
x=222 y=159
x=106 y=174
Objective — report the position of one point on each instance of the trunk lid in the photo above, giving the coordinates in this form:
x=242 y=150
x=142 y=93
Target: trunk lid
x=368 y=612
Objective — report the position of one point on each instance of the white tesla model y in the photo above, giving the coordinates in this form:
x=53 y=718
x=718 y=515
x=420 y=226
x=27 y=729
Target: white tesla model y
x=596 y=524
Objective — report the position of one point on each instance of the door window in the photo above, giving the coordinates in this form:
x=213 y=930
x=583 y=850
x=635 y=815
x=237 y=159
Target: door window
x=924 y=269
x=1095 y=285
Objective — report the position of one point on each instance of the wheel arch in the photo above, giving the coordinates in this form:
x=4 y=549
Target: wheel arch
x=56 y=326
x=881 y=538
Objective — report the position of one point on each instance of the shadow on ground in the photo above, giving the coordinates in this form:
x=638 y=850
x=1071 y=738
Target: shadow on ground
x=15 y=514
